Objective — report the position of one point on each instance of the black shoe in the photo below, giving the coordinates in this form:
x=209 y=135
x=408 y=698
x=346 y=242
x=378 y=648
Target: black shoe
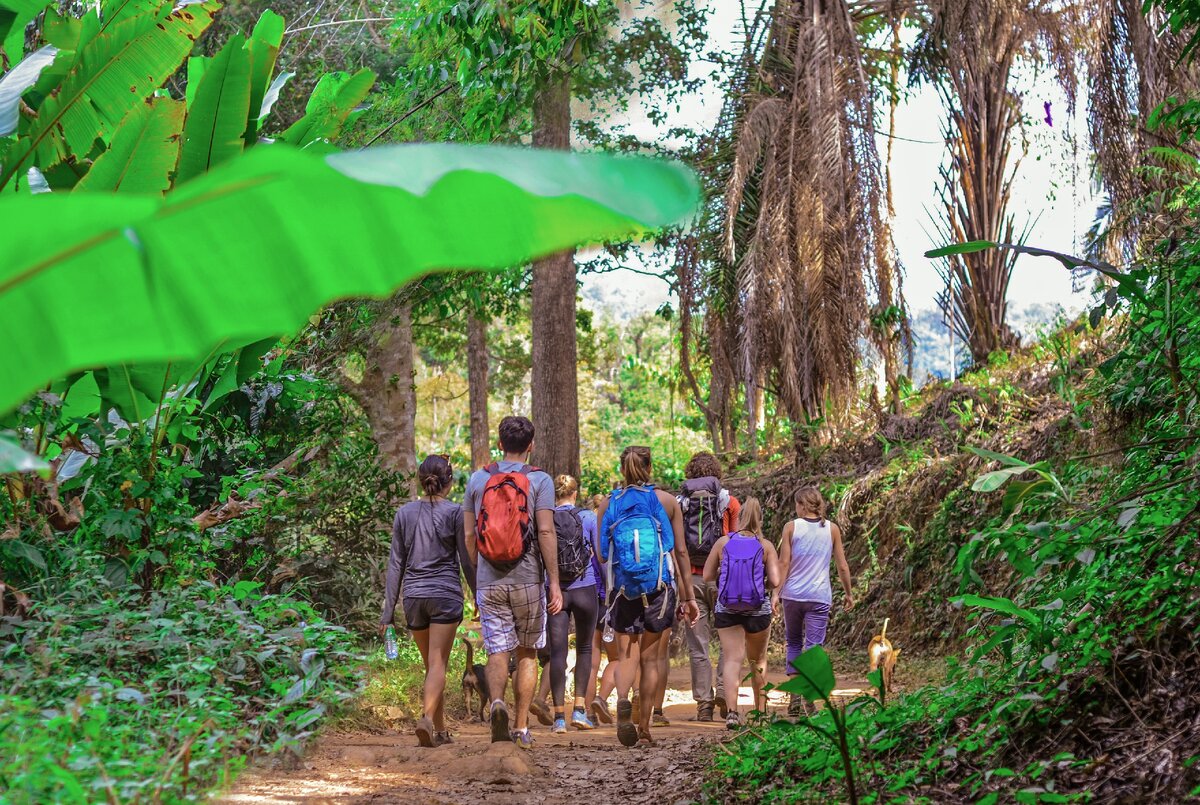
x=500 y=723
x=627 y=732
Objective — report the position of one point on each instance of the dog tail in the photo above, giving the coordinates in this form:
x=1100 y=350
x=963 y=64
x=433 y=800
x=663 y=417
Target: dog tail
x=470 y=651
x=883 y=631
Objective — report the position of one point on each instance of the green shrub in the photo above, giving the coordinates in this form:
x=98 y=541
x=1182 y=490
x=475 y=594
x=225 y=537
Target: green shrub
x=112 y=693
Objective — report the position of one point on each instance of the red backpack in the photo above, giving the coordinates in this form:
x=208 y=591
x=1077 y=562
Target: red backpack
x=505 y=527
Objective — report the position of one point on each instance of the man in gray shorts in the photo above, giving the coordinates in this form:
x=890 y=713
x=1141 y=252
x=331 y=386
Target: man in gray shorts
x=513 y=598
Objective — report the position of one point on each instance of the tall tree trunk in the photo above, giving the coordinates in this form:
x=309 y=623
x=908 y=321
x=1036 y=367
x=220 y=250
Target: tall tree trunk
x=555 y=396
x=387 y=393
x=477 y=388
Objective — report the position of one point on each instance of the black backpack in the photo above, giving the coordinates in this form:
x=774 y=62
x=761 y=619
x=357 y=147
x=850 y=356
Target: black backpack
x=574 y=553
x=703 y=505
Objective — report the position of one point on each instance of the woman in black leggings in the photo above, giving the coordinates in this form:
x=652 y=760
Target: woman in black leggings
x=580 y=601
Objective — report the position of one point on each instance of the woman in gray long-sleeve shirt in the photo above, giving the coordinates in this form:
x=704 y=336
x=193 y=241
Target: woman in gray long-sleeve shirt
x=427 y=550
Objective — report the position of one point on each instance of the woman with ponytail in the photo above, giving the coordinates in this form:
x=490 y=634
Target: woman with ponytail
x=806 y=547
x=427 y=540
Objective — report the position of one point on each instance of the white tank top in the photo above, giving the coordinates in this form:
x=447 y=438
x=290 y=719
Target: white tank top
x=808 y=573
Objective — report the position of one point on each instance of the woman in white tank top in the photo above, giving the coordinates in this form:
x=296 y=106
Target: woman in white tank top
x=808 y=544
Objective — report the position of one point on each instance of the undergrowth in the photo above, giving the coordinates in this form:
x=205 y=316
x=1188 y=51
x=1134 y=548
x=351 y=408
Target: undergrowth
x=115 y=695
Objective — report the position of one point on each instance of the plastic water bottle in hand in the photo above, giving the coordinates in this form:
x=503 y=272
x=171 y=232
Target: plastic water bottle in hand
x=391 y=647
x=609 y=635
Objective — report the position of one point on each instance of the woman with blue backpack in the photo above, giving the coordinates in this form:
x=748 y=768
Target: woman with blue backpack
x=744 y=566
x=642 y=547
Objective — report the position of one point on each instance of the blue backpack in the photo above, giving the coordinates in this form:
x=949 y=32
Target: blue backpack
x=741 y=585
x=637 y=543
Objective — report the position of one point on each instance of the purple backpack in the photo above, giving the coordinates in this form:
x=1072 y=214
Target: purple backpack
x=742 y=583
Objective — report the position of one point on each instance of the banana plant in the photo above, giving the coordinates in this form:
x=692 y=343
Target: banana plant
x=250 y=249
x=95 y=116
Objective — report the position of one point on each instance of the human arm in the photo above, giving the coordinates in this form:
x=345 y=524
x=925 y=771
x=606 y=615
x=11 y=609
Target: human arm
x=712 y=565
x=839 y=557
x=469 y=536
x=784 y=562
x=548 y=544
x=601 y=530
x=771 y=561
x=688 y=605
x=464 y=560
x=397 y=558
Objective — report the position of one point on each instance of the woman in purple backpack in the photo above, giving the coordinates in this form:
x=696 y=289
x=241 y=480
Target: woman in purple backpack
x=744 y=566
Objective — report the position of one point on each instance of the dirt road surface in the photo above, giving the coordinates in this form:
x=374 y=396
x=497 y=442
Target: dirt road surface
x=359 y=768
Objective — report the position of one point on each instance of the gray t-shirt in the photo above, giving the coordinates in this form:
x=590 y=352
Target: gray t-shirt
x=528 y=569
x=427 y=550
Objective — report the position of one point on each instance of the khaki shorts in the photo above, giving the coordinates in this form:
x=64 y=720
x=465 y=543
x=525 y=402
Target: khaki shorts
x=512 y=615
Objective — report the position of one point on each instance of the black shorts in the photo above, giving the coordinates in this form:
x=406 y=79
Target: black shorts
x=656 y=615
x=420 y=612
x=753 y=624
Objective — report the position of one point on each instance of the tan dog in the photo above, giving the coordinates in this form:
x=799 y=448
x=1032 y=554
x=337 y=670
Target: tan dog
x=882 y=653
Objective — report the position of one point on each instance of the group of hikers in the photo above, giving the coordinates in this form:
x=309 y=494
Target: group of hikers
x=625 y=571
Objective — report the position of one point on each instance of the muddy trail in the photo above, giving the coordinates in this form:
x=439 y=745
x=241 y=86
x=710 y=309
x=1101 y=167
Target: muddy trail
x=372 y=767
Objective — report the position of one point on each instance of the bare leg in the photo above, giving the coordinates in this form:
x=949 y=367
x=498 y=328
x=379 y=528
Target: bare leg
x=608 y=681
x=733 y=647
x=589 y=692
x=626 y=664
x=497 y=675
x=664 y=669
x=756 y=653
x=440 y=639
x=525 y=682
x=651 y=673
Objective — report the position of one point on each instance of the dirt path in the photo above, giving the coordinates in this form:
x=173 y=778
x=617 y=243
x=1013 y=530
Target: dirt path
x=353 y=768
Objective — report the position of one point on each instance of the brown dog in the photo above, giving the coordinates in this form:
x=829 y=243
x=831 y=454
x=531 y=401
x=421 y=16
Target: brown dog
x=474 y=681
x=882 y=653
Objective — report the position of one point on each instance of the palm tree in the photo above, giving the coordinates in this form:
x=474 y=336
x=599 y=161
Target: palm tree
x=969 y=50
x=804 y=221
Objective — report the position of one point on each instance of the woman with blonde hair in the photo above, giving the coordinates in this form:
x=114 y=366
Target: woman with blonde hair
x=744 y=566
x=641 y=545
x=808 y=544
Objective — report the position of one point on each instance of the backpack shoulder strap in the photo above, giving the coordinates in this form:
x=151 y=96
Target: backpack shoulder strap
x=493 y=468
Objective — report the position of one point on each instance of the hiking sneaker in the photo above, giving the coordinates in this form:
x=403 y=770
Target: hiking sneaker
x=560 y=726
x=580 y=721
x=797 y=707
x=425 y=733
x=627 y=731
x=499 y=721
x=722 y=706
x=600 y=711
x=442 y=738
x=733 y=721
x=539 y=709
x=704 y=711
x=523 y=738
x=658 y=719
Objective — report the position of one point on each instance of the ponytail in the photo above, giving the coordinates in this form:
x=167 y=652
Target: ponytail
x=435 y=474
x=809 y=498
x=635 y=465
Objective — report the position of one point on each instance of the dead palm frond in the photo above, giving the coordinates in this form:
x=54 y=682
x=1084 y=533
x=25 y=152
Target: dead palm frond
x=804 y=220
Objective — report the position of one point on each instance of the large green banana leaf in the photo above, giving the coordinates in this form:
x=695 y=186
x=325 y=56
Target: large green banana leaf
x=117 y=68
x=216 y=121
x=249 y=250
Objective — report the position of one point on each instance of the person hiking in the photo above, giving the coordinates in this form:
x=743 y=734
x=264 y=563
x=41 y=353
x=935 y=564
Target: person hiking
x=575 y=530
x=641 y=545
x=427 y=553
x=600 y=687
x=806 y=546
x=744 y=566
x=709 y=513
x=508 y=523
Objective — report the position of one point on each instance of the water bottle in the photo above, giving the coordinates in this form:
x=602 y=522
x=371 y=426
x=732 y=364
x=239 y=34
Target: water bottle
x=609 y=635
x=389 y=642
